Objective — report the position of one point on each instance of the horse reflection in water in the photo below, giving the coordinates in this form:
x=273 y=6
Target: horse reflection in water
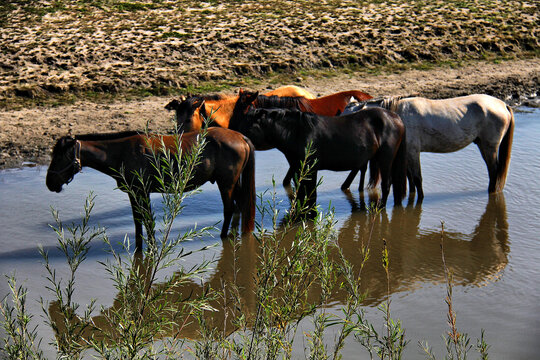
x=414 y=253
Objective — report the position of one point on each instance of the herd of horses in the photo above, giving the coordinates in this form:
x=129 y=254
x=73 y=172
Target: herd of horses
x=347 y=130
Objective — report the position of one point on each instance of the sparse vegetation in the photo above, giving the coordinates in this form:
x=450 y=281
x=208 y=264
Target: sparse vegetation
x=173 y=44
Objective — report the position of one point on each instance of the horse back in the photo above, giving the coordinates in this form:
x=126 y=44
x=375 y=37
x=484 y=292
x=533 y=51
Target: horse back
x=447 y=125
x=219 y=111
x=358 y=135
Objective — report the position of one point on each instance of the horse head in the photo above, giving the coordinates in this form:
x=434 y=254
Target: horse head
x=185 y=109
x=65 y=163
x=241 y=107
x=245 y=100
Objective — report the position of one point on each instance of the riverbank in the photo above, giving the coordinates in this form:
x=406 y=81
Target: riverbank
x=102 y=66
x=28 y=134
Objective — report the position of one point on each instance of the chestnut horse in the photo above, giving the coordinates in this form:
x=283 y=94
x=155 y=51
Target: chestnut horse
x=227 y=158
x=448 y=125
x=339 y=143
x=192 y=112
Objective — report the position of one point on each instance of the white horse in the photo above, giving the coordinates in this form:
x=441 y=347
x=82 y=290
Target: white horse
x=448 y=125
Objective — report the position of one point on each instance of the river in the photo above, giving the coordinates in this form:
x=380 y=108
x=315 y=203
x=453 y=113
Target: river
x=491 y=242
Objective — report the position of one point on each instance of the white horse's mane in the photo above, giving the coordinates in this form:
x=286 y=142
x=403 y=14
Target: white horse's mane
x=386 y=102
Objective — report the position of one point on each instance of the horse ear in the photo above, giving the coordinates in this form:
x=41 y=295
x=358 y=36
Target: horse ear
x=198 y=103
x=171 y=104
x=253 y=96
x=66 y=140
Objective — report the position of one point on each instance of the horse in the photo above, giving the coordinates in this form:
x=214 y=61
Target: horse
x=227 y=158
x=192 y=112
x=339 y=143
x=291 y=90
x=448 y=125
x=191 y=115
x=247 y=100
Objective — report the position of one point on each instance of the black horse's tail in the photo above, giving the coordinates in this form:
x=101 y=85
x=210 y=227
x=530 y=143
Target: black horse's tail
x=399 y=172
x=248 y=191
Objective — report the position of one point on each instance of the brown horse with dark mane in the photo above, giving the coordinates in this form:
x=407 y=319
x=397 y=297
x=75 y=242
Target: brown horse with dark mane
x=339 y=143
x=227 y=158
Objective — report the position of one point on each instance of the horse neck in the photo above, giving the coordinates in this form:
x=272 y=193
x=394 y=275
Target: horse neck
x=98 y=154
x=220 y=111
x=285 y=141
x=333 y=104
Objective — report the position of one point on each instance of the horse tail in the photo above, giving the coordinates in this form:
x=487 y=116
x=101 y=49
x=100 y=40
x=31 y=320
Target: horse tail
x=248 y=191
x=505 y=150
x=399 y=171
x=374 y=173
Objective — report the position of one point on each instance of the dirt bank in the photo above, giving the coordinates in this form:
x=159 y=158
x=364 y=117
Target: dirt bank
x=57 y=52
x=61 y=46
x=28 y=134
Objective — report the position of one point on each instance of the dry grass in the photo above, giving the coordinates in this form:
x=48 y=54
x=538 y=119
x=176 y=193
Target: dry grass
x=155 y=47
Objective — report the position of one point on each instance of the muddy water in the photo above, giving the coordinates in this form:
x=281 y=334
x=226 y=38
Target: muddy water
x=490 y=242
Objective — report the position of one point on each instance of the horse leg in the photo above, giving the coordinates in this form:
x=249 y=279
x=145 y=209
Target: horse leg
x=414 y=169
x=385 y=184
x=489 y=154
x=412 y=188
x=290 y=173
x=228 y=207
x=347 y=183
x=140 y=207
x=288 y=177
x=363 y=171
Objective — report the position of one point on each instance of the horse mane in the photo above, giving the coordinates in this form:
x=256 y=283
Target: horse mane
x=387 y=102
x=106 y=136
x=209 y=96
x=293 y=123
x=284 y=102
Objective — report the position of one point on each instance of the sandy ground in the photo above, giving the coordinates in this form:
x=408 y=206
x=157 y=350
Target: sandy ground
x=27 y=135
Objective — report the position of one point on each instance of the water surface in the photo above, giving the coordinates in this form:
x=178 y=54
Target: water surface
x=491 y=242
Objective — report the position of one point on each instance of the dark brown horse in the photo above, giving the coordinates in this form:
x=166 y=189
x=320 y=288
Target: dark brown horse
x=339 y=143
x=227 y=158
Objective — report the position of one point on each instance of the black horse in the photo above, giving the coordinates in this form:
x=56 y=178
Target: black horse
x=339 y=143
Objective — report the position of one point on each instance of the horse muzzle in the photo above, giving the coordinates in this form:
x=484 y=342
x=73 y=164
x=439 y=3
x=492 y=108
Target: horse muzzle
x=53 y=185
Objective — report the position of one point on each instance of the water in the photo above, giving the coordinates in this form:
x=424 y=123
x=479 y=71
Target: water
x=491 y=243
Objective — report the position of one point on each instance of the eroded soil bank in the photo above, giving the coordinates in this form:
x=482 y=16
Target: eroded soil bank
x=28 y=134
x=53 y=50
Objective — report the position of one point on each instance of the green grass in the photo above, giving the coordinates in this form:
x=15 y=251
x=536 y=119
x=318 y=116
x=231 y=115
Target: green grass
x=176 y=34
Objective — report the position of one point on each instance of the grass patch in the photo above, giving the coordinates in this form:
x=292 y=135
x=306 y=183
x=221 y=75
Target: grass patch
x=175 y=34
x=134 y=6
